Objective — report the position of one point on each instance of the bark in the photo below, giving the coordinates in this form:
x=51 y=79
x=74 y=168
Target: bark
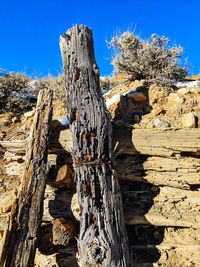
x=102 y=239
x=26 y=214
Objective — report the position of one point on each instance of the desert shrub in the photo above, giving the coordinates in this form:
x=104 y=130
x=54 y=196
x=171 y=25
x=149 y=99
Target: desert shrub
x=152 y=60
x=15 y=92
x=56 y=84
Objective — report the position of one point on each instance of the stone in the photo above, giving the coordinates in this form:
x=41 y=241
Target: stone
x=157 y=95
x=183 y=91
x=29 y=113
x=158 y=123
x=7 y=199
x=75 y=207
x=118 y=124
x=65 y=177
x=15 y=119
x=174 y=100
x=63 y=231
x=2 y=135
x=188 y=120
x=137 y=96
x=195 y=90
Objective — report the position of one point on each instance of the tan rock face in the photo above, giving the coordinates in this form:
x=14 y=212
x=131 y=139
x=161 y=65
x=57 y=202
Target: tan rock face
x=75 y=207
x=63 y=231
x=174 y=100
x=6 y=200
x=65 y=177
x=137 y=96
x=188 y=120
x=157 y=96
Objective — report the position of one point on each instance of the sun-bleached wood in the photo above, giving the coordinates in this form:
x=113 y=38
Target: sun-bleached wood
x=26 y=214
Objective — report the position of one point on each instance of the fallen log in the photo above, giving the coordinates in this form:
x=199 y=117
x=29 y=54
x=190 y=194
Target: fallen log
x=26 y=213
x=102 y=239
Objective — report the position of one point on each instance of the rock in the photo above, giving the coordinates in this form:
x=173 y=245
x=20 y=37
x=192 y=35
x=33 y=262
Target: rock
x=197 y=114
x=7 y=198
x=183 y=91
x=174 y=100
x=2 y=135
x=65 y=177
x=29 y=113
x=63 y=231
x=188 y=120
x=118 y=124
x=15 y=119
x=157 y=95
x=158 y=123
x=137 y=96
x=195 y=90
x=75 y=207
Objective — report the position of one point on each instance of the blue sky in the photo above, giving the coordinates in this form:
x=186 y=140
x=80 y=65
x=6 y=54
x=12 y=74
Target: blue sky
x=30 y=30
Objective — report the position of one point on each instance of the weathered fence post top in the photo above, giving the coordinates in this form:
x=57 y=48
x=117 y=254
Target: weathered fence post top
x=78 y=44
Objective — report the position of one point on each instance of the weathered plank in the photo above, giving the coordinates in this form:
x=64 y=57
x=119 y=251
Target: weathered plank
x=102 y=239
x=26 y=214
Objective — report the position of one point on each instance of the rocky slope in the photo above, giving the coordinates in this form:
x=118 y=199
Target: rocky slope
x=156 y=149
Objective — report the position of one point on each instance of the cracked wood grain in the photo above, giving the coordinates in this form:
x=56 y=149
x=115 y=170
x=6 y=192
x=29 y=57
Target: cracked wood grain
x=102 y=240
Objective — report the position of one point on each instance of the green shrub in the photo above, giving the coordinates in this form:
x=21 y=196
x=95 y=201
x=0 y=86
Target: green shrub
x=152 y=60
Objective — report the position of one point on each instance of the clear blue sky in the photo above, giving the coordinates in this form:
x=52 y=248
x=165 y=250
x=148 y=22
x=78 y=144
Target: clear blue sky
x=29 y=31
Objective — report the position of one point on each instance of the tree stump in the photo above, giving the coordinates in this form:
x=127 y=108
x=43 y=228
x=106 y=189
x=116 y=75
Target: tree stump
x=26 y=214
x=102 y=239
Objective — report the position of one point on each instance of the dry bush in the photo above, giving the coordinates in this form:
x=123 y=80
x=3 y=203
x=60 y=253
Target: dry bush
x=152 y=60
x=56 y=84
x=15 y=92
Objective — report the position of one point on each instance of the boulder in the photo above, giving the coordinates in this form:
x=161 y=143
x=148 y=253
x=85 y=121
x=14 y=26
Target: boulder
x=174 y=100
x=158 y=123
x=137 y=96
x=157 y=95
x=183 y=91
x=188 y=120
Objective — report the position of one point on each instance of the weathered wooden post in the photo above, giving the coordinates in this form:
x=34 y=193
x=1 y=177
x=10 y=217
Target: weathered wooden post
x=103 y=239
x=26 y=215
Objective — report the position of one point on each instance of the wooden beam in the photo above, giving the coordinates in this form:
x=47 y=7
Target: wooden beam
x=102 y=240
x=26 y=214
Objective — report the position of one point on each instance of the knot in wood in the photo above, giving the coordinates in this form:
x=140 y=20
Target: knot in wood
x=95 y=253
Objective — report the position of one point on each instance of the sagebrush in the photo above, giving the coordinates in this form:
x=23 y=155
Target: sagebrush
x=152 y=59
x=15 y=92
